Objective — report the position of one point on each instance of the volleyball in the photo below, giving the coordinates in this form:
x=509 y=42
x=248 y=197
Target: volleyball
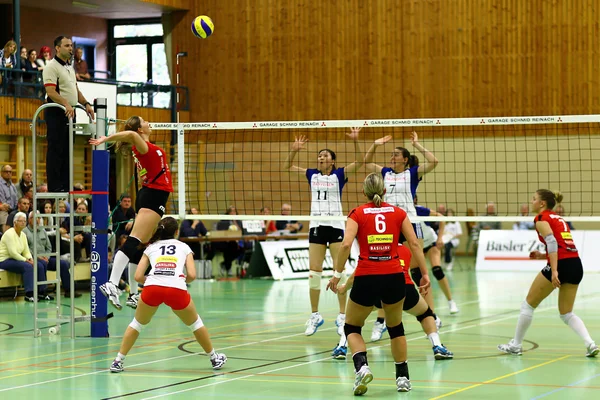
x=202 y=27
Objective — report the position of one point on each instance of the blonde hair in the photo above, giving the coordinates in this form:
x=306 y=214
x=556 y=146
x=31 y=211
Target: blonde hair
x=374 y=188
x=10 y=43
x=132 y=124
x=551 y=198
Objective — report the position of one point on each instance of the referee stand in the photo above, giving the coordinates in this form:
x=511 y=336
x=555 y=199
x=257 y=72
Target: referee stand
x=99 y=253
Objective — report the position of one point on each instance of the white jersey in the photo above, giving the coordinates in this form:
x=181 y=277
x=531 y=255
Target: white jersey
x=401 y=188
x=167 y=258
x=326 y=196
x=429 y=236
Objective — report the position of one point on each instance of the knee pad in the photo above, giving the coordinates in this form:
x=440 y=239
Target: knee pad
x=136 y=325
x=196 y=325
x=131 y=247
x=396 y=331
x=567 y=317
x=526 y=309
x=314 y=280
x=426 y=314
x=416 y=275
x=348 y=329
x=438 y=272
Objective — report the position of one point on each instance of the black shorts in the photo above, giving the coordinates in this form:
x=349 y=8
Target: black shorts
x=152 y=199
x=411 y=298
x=426 y=249
x=370 y=290
x=325 y=235
x=570 y=270
x=418 y=232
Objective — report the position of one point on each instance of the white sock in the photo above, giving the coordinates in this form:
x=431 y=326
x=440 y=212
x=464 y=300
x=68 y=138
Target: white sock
x=316 y=313
x=434 y=338
x=119 y=264
x=120 y=356
x=133 y=285
x=579 y=328
x=343 y=341
x=212 y=353
x=523 y=323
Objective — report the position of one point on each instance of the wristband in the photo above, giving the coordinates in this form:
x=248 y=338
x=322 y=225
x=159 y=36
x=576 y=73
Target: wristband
x=337 y=275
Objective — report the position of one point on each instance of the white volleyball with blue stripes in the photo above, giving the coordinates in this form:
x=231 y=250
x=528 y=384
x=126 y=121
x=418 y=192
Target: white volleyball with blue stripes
x=202 y=27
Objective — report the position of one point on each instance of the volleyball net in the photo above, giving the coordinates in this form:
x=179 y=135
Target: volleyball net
x=481 y=161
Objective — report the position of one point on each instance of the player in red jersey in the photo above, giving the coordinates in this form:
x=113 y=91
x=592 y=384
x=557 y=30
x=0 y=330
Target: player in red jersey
x=563 y=271
x=151 y=200
x=415 y=305
x=379 y=277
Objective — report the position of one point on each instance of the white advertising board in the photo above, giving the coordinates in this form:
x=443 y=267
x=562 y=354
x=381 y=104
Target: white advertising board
x=288 y=259
x=508 y=250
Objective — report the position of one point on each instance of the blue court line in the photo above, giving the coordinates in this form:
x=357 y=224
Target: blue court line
x=563 y=388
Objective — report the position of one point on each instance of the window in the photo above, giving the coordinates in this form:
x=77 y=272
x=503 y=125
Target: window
x=134 y=42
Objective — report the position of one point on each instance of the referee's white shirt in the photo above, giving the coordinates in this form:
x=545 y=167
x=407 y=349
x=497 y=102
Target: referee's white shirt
x=61 y=75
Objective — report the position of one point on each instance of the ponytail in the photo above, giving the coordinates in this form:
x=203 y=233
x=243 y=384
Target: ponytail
x=165 y=230
x=377 y=200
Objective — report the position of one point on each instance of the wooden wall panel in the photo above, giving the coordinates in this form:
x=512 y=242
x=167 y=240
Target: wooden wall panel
x=303 y=60
x=25 y=108
x=179 y=4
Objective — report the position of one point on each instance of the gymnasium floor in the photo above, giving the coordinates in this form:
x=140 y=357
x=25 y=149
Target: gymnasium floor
x=259 y=324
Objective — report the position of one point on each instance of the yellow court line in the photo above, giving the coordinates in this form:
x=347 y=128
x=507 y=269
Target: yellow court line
x=499 y=378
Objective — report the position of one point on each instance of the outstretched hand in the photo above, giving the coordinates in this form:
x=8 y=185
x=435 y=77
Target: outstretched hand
x=353 y=133
x=414 y=138
x=383 y=140
x=299 y=143
x=98 y=141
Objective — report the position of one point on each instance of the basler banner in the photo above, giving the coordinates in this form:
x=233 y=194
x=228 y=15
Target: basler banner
x=508 y=250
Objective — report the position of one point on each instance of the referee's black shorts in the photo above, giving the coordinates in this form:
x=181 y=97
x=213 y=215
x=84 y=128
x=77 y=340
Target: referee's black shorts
x=370 y=290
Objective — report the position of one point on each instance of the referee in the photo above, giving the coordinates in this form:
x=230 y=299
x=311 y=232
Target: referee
x=61 y=87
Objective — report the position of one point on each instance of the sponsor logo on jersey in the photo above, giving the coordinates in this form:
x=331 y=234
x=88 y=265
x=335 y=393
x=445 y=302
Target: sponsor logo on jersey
x=380 y=239
x=566 y=235
x=380 y=210
x=380 y=247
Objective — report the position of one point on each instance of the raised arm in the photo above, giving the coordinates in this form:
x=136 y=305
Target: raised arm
x=430 y=161
x=125 y=136
x=372 y=167
x=298 y=145
x=355 y=166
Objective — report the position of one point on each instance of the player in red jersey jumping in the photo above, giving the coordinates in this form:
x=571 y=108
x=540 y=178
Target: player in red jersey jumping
x=563 y=271
x=379 y=277
x=151 y=200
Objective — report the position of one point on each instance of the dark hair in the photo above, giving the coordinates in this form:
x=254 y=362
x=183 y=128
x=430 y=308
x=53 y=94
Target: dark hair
x=132 y=124
x=58 y=40
x=413 y=160
x=551 y=198
x=166 y=229
x=231 y=208
x=31 y=51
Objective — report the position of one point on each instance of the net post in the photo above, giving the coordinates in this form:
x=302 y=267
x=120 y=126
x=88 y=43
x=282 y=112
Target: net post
x=181 y=171
x=99 y=247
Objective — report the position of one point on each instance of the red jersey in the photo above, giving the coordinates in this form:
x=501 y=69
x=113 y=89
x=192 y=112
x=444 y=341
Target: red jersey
x=379 y=230
x=405 y=255
x=561 y=232
x=153 y=168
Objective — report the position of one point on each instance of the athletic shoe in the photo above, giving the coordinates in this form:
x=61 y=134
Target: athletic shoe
x=313 y=323
x=339 y=322
x=438 y=323
x=116 y=366
x=403 y=384
x=442 y=353
x=511 y=348
x=363 y=377
x=45 y=297
x=112 y=293
x=218 y=360
x=453 y=307
x=378 y=330
x=132 y=300
x=592 y=350
x=339 y=352
x=450 y=266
